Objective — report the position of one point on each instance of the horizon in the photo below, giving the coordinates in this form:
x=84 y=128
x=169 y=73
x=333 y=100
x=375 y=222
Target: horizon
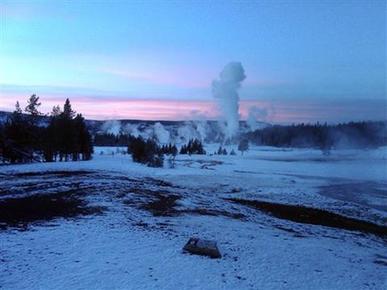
x=304 y=61
x=214 y=119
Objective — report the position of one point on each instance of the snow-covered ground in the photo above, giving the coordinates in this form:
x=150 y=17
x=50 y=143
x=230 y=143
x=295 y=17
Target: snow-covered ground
x=148 y=214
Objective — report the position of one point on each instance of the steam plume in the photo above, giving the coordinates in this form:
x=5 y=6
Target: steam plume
x=161 y=133
x=225 y=91
x=255 y=116
x=111 y=127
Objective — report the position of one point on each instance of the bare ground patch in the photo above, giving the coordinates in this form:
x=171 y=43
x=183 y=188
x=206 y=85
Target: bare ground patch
x=60 y=173
x=307 y=215
x=21 y=212
x=212 y=212
x=163 y=205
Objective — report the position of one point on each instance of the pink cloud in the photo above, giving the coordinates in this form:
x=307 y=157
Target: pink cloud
x=145 y=109
x=109 y=108
x=285 y=111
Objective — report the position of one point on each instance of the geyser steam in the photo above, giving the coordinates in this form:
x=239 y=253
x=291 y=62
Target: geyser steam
x=161 y=133
x=225 y=91
x=255 y=116
x=111 y=127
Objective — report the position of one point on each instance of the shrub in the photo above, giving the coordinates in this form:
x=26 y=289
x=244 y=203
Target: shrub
x=146 y=152
x=222 y=151
x=243 y=145
x=169 y=149
x=194 y=146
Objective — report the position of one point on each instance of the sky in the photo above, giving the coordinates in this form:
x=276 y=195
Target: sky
x=305 y=61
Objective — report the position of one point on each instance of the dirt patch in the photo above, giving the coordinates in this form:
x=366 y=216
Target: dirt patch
x=159 y=182
x=164 y=205
x=60 y=173
x=34 y=197
x=21 y=212
x=152 y=195
x=212 y=212
x=313 y=216
x=295 y=233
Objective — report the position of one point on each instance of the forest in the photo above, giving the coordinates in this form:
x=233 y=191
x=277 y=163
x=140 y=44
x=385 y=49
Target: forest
x=352 y=135
x=23 y=139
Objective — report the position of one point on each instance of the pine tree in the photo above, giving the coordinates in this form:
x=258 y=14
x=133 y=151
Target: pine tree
x=56 y=111
x=183 y=149
x=17 y=140
x=146 y=152
x=21 y=139
x=32 y=106
x=194 y=146
x=243 y=145
x=67 y=137
x=83 y=145
x=68 y=112
x=18 y=110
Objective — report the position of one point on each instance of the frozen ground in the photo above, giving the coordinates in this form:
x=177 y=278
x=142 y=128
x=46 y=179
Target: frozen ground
x=109 y=223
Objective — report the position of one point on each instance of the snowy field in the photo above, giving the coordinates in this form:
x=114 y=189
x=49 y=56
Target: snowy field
x=121 y=225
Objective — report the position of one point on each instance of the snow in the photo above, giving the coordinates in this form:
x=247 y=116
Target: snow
x=128 y=248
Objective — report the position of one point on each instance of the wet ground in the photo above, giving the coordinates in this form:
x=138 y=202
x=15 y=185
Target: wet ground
x=41 y=197
x=21 y=212
x=314 y=216
x=370 y=193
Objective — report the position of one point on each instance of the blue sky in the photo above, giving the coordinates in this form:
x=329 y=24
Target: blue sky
x=316 y=54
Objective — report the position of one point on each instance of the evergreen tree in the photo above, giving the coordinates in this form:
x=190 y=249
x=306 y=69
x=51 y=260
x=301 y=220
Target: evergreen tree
x=67 y=137
x=169 y=149
x=32 y=106
x=68 y=112
x=243 y=145
x=56 y=111
x=18 y=110
x=22 y=140
x=194 y=146
x=146 y=152
x=183 y=149
x=17 y=145
x=82 y=146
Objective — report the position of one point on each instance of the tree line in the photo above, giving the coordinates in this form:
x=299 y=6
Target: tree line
x=322 y=136
x=108 y=139
x=194 y=146
x=150 y=153
x=23 y=137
